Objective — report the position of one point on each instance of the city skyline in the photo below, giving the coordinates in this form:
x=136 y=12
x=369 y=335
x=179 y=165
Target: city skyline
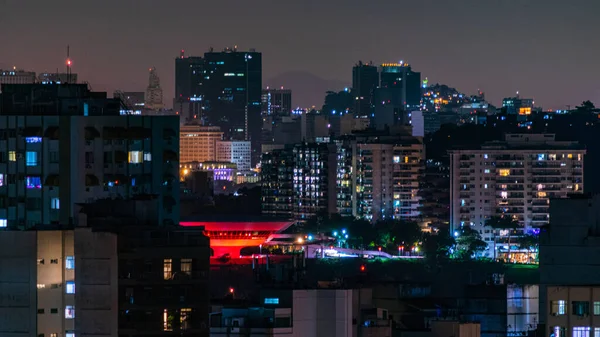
x=498 y=47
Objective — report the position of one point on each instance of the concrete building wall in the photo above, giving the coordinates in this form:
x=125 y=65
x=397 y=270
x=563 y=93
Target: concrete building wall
x=322 y=313
x=198 y=143
x=18 y=303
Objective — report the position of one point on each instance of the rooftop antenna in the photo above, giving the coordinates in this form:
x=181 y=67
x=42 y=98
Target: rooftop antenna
x=68 y=64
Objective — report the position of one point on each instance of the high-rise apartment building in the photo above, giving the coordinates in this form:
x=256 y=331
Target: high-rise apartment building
x=276 y=102
x=154 y=93
x=516 y=177
x=198 y=143
x=61 y=145
x=365 y=79
x=374 y=178
x=387 y=178
x=399 y=93
x=299 y=181
x=235 y=151
x=189 y=93
x=518 y=105
x=59 y=283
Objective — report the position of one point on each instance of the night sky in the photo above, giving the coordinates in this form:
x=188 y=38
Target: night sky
x=546 y=49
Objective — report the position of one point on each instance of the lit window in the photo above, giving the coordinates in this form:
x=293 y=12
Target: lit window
x=53 y=335
x=559 y=307
x=186 y=266
x=3 y=223
x=167 y=321
x=581 y=331
x=41 y=286
x=70 y=262
x=396 y=159
x=69 y=312
x=405 y=160
x=504 y=194
x=541 y=194
x=32 y=140
x=487 y=171
x=136 y=157
x=147 y=156
x=54 y=203
x=596 y=308
x=485 y=185
x=1 y=179
x=31 y=158
x=485 y=156
x=12 y=156
x=167 y=268
x=560 y=331
x=184 y=317
x=70 y=287
x=271 y=300
x=504 y=172
x=596 y=332
x=33 y=182
x=570 y=156
x=70 y=334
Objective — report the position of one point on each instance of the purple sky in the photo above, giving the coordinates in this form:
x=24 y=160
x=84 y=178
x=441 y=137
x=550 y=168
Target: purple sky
x=546 y=49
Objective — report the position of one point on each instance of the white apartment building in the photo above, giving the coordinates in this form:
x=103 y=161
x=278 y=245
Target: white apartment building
x=198 y=143
x=235 y=151
x=387 y=179
x=58 y=283
x=516 y=177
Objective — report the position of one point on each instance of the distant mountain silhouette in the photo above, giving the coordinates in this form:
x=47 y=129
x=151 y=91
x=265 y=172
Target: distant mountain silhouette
x=307 y=89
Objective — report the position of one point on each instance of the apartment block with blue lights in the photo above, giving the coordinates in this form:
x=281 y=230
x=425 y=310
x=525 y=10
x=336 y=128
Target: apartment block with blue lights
x=61 y=145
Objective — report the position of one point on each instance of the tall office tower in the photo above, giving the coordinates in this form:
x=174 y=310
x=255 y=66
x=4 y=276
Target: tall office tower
x=232 y=89
x=399 y=93
x=57 y=78
x=61 y=145
x=189 y=77
x=235 y=151
x=365 y=78
x=198 y=143
x=516 y=178
x=59 y=283
x=154 y=93
x=310 y=169
x=276 y=102
x=16 y=77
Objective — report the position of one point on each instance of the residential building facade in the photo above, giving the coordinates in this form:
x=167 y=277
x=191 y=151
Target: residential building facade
x=57 y=152
x=238 y=152
x=514 y=178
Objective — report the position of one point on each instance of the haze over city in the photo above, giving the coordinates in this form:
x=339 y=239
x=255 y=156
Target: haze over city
x=544 y=49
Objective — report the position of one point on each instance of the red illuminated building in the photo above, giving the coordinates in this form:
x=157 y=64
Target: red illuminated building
x=230 y=237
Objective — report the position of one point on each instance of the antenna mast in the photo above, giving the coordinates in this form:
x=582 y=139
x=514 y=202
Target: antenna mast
x=68 y=64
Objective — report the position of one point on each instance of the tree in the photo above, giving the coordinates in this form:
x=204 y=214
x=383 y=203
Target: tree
x=394 y=233
x=502 y=223
x=437 y=247
x=586 y=107
x=530 y=242
x=469 y=243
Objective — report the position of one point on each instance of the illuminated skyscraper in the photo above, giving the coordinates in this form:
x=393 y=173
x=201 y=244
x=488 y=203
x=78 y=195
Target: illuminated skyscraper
x=154 y=94
x=232 y=95
x=276 y=102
